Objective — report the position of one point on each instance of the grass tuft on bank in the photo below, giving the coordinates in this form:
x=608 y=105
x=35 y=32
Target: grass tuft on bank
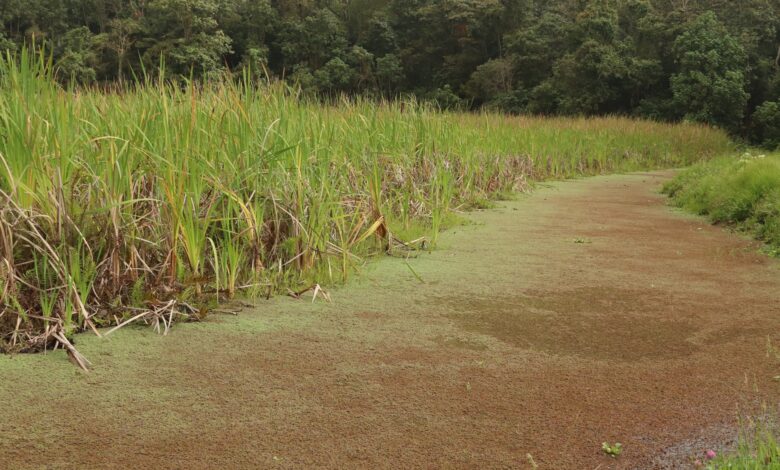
x=743 y=192
x=756 y=450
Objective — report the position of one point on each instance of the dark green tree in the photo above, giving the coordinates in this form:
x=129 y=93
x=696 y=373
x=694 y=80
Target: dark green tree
x=77 y=55
x=710 y=83
x=389 y=73
x=185 y=36
x=604 y=73
x=766 y=124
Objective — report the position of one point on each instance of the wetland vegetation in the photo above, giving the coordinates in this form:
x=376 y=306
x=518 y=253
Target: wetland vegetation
x=143 y=203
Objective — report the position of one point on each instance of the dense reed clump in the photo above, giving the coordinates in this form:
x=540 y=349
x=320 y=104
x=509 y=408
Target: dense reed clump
x=145 y=202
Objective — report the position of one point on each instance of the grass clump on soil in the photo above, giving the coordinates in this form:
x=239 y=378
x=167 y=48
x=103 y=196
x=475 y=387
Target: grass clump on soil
x=756 y=450
x=145 y=202
x=740 y=191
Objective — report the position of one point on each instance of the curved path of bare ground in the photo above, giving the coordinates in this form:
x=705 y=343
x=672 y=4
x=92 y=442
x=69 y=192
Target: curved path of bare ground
x=588 y=312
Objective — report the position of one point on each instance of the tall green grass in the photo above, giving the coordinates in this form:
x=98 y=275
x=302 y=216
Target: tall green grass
x=740 y=191
x=757 y=449
x=159 y=197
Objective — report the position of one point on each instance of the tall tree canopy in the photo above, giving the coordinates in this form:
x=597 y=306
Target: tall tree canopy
x=709 y=85
x=712 y=61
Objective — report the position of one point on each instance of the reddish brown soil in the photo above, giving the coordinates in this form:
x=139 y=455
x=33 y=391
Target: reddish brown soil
x=588 y=312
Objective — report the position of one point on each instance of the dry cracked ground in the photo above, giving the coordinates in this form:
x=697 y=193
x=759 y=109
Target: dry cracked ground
x=587 y=312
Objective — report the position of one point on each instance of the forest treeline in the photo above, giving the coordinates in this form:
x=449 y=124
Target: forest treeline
x=711 y=61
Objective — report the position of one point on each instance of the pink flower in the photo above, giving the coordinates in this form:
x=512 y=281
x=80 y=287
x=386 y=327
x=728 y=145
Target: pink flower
x=710 y=454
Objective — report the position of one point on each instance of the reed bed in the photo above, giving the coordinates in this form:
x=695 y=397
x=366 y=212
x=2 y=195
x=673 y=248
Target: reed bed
x=151 y=202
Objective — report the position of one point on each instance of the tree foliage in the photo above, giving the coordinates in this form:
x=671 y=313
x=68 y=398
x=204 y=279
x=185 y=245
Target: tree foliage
x=710 y=83
x=712 y=61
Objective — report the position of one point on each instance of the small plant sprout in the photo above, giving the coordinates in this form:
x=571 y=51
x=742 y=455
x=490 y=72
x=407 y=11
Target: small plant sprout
x=612 y=450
